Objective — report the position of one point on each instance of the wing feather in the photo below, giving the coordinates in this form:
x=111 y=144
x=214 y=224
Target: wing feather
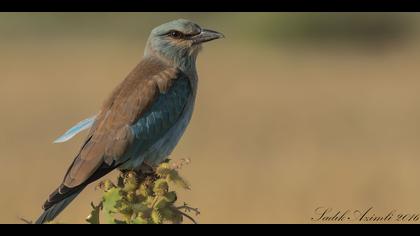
x=79 y=127
x=137 y=98
x=111 y=133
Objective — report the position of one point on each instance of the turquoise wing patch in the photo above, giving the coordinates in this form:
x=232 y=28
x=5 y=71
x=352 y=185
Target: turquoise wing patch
x=79 y=127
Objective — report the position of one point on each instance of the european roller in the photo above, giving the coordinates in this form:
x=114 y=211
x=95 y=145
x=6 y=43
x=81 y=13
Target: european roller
x=143 y=119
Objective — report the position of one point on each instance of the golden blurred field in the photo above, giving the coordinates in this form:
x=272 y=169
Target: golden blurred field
x=278 y=130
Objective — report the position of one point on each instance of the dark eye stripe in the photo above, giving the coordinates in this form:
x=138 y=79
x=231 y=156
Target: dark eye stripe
x=191 y=35
x=181 y=35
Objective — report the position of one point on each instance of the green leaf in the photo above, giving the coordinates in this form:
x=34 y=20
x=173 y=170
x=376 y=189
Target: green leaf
x=169 y=214
x=139 y=220
x=140 y=207
x=171 y=197
x=93 y=218
x=110 y=200
x=161 y=203
x=125 y=208
x=175 y=178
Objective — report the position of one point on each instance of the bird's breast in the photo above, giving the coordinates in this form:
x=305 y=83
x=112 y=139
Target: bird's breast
x=164 y=146
x=152 y=150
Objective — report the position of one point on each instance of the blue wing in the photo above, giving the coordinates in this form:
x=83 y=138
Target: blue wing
x=79 y=127
x=163 y=115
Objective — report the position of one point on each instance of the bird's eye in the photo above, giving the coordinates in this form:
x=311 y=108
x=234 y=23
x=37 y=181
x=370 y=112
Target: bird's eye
x=176 y=34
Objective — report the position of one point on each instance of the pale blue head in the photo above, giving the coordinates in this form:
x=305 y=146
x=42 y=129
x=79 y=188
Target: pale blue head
x=179 y=41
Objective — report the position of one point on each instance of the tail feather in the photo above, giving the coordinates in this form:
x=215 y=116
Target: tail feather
x=63 y=195
x=53 y=211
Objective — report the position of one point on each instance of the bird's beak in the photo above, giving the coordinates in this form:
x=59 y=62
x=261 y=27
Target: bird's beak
x=207 y=35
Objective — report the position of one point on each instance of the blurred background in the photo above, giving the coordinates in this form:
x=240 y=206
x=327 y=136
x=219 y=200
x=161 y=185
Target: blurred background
x=295 y=110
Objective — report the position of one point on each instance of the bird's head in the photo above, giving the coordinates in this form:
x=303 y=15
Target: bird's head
x=179 y=40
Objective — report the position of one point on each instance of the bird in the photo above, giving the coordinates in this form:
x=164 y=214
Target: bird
x=144 y=117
